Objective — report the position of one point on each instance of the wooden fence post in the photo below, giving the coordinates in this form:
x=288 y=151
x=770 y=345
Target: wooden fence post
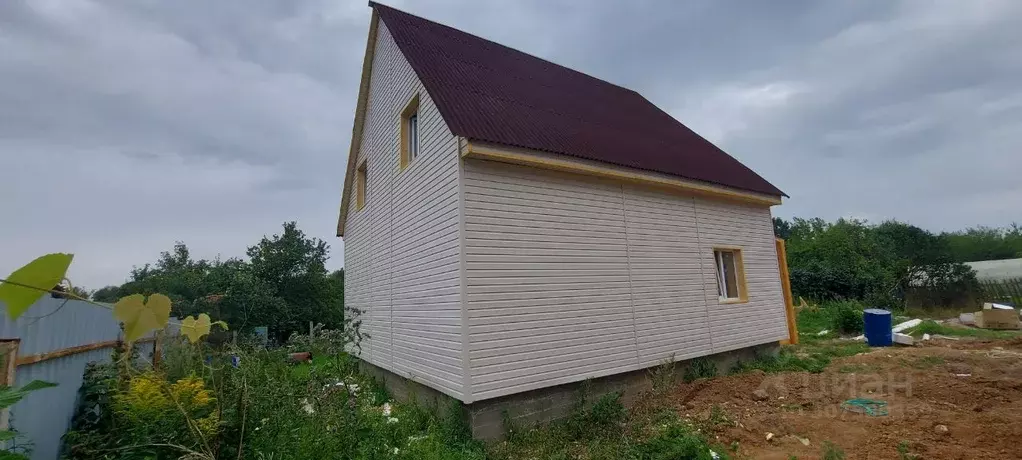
x=789 y=303
x=9 y=354
x=157 y=342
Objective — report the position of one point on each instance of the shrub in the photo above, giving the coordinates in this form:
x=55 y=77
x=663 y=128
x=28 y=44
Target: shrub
x=676 y=441
x=699 y=368
x=846 y=316
x=603 y=417
x=662 y=377
x=93 y=420
x=151 y=411
x=265 y=407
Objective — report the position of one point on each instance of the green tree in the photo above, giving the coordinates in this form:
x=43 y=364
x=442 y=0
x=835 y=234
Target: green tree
x=985 y=243
x=283 y=285
x=294 y=267
x=108 y=294
x=782 y=228
x=851 y=259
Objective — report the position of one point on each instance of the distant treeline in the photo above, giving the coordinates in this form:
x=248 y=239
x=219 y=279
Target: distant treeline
x=877 y=263
x=282 y=284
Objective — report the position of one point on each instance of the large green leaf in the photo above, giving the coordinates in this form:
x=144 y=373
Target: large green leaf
x=9 y=395
x=43 y=274
x=141 y=316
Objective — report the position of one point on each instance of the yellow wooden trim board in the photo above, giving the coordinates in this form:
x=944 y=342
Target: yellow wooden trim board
x=592 y=168
x=359 y=124
x=789 y=303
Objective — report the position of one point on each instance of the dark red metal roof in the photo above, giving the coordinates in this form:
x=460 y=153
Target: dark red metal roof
x=489 y=92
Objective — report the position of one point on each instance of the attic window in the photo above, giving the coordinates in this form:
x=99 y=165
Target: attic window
x=360 y=186
x=731 y=286
x=410 y=132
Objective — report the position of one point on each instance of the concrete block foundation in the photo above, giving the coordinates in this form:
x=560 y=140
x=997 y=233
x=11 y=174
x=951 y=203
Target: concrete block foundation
x=488 y=419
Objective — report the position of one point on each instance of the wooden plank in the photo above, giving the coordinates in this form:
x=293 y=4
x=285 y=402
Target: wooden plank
x=789 y=303
x=32 y=359
x=9 y=350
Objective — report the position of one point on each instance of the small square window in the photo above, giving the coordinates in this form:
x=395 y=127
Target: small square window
x=730 y=275
x=410 y=132
x=360 y=186
x=413 y=136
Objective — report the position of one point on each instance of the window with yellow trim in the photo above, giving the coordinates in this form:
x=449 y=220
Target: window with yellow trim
x=730 y=270
x=360 y=186
x=410 y=132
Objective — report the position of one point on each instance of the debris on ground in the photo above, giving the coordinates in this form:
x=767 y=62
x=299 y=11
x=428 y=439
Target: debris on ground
x=906 y=325
x=760 y=395
x=919 y=385
x=903 y=339
x=870 y=407
x=996 y=316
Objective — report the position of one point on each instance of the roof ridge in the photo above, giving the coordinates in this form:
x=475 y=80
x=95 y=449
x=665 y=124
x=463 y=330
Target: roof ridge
x=374 y=4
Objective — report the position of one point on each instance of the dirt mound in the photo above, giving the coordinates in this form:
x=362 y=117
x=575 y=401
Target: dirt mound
x=946 y=400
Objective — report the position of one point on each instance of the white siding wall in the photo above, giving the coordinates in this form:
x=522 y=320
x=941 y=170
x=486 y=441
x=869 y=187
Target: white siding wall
x=570 y=277
x=401 y=253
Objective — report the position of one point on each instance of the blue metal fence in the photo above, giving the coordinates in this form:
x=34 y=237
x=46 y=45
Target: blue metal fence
x=49 y=326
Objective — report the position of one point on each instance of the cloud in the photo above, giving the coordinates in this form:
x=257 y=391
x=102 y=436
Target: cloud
x=127 y=126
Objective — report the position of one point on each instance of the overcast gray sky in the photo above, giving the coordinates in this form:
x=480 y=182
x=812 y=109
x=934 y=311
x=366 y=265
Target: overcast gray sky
x=126 y=126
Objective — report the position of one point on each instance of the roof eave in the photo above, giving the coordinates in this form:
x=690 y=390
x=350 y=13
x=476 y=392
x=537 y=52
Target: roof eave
x=559 y=162
x=359 y=123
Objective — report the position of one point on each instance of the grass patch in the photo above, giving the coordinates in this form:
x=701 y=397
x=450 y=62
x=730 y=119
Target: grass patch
x=699 y=368
x=858 y=369
x=934 y=328
x=905 y=451
x=937 y=313
x=927 y=362
x=839 y=317
x=605 y=431
x=808 y=357
x=832 y=452
x=812 y=320
x=717 y=420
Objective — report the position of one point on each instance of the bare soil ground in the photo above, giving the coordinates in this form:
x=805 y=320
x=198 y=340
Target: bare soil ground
x=973 y=388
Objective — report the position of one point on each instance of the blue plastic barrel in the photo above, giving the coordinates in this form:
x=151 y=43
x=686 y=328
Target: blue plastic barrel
x=877 y=324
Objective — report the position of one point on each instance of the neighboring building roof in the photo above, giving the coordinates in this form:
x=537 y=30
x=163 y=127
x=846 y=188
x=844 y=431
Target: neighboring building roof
x=997 y=270
x=491 y=93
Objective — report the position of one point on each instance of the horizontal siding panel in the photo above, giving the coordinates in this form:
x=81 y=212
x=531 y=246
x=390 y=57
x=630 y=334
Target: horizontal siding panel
x=548 y=358
x=484 y=208
x=569 y=277
x=534 y=356
x=401 y=253
x=509 y=339
x=481 y=300
x=574 y=304
x=555 y=374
